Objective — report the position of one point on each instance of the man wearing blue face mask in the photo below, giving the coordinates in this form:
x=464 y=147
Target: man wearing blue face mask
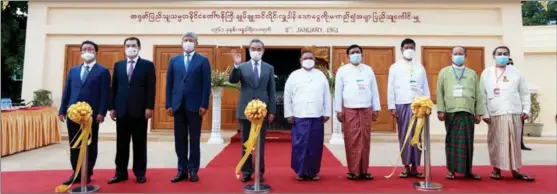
x=407 y=80
x=459 y=104
x=507 y=104
x=356 y=104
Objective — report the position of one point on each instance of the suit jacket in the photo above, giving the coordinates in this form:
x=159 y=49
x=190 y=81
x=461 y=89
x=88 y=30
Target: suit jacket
x=137 y=94
x=264 y=90
x=95 y=90
x=193 y=86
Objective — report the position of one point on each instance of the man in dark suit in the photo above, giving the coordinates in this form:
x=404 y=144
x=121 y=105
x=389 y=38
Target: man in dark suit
x=522 y=145
x=258 y=82
x=188 y=85
x=133 y=99
x=88 y=82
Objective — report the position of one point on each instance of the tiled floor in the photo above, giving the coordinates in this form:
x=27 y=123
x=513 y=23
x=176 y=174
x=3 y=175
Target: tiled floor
x=162 y=155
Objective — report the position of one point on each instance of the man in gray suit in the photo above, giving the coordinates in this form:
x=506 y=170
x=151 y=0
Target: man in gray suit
x=258 y=82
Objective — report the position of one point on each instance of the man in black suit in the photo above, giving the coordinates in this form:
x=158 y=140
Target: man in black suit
x=133 y=99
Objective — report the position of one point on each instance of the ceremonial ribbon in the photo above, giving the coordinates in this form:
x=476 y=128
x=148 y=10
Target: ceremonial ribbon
x=421 y=107
x=80 y=113
x=255 y=111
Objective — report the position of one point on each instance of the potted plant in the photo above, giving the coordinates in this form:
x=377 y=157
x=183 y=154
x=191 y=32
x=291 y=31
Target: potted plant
x=531 y=128
x=219 y=81
x=42 y=97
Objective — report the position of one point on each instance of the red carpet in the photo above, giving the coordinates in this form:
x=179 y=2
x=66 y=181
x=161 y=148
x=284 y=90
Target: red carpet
x=219 y=177
x=271 y=136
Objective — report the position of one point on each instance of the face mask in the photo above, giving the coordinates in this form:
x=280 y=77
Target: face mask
x=131 y=52
x=188 y=46
x=87 y=56
x=356 y=58
x=458 y=60
x=502 y=60
x=308 y=63
x=408 y=54
x=255 y=55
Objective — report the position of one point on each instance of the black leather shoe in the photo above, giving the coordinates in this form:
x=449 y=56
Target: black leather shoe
x=194 y=177
x=77 y=181
x=179 y=177
x=525 y=148
x=246 y=178
x=117 y=179
x=261 y=179
x=141 y=180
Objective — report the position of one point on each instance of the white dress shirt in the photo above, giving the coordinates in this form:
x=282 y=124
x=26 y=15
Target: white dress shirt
x=90 y=65
x=253 y=66
x=356 y=87
x=505 y=91
x=307 y=95
x=407 y=80
x=128 y=64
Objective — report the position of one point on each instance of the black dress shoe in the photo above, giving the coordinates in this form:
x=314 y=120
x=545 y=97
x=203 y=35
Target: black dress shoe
x=141 y=180
x=261 y=179
x=117 y=179
x=194 y=177
x=179 y=177
x=246 y=178
x=77 y=181
x=525 y=148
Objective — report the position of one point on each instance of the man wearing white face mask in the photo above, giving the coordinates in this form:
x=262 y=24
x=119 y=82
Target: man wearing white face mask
x=90 y=83
x=307 y=106
x=507 y=104
x=357 y=105
x=258 y=82
x=188 y=86
x=407 y=80
x=133 y=99
x=460 y=105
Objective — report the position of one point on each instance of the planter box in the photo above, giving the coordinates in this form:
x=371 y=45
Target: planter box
x=533 y=129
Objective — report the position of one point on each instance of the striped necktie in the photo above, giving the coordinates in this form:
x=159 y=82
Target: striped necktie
x=85 y=74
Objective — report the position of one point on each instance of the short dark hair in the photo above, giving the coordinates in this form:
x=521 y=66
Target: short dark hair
x=133 y=38
x=354 y=46
x=510 y=61
x=256 y=40
x=501 y=47
x=463 y=48
x=407 y=41
x=91 y=43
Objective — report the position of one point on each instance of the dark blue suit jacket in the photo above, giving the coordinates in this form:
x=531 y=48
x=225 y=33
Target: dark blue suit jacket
x=95 y=90
x=134 y=96
x=194 y=86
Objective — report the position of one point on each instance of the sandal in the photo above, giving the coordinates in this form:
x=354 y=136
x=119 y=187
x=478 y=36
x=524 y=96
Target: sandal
x=300 y=178
x=404 y=174
x=450 y=176
x=417 y=174
x=315 y=178
x=351 y=176
x=520 y=176
x=473 y=176
x=366 y=176
x=495 y=175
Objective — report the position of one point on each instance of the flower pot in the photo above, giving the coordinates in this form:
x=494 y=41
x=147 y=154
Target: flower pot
x=533 y=129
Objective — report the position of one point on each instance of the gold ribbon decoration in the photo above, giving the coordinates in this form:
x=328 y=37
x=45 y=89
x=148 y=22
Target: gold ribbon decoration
x=80 y=113
x=421 y=107
x=255 y=113
x=544 y=5
x=4 y=5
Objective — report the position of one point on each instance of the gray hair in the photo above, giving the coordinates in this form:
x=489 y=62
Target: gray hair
x=190 y=34
x=462 y=47
x=255 y=40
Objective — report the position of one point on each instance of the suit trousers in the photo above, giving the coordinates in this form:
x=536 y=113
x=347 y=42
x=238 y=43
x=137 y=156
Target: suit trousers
x=134 y=129
x=92 y=150
x=245 y=127
x=187 y=134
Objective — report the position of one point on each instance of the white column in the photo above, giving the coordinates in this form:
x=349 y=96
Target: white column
x=336 y=137
x=216 y=137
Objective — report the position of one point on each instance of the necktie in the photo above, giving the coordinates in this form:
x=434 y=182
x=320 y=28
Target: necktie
x=187 y=61
x=255 y=73
x=130 y=70
x=85 y=74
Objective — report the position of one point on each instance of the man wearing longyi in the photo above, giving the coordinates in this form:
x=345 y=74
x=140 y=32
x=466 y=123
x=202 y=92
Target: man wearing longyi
x=90 y=83
x=188 y=86
x=257 y=79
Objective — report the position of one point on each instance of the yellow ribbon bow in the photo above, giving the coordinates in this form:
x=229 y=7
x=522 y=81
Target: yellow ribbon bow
x=80 y=113
x=421 y=107
x=255 y=113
